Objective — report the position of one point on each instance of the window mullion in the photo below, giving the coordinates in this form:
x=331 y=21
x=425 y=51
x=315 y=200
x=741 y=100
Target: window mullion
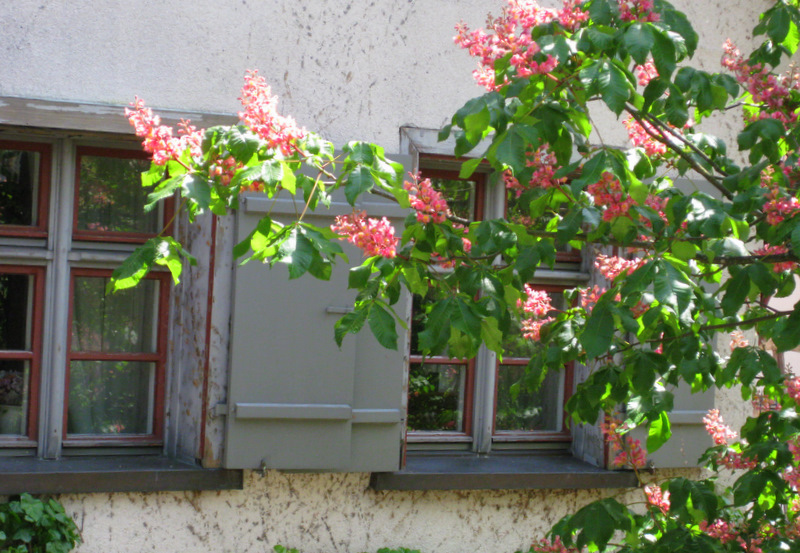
x=57 y=310
x=483 y=424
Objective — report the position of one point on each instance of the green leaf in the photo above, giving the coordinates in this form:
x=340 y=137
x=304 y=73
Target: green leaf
x=242 y=143
x=675 y=108
x=358 y=182
x=289 y=180
x=468 y=167
x=164 y=190
x=639 y=41
x=383 y=328
x=359 y=276
x=685 y=250
x=360 y=152
x=614 y=86
x=659 y=432
x=350 y=323
x=735 y=293
x=297 y=252
x=671 y=287
x=197 y=189
x=599 y=331
x=134 y=268
x=678 y=22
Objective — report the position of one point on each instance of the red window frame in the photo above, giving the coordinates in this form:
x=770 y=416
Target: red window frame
x=45 y=151
x=562 y=435
x=422 y=436
x=113 y=236
x=159 y=358
x=33 y=356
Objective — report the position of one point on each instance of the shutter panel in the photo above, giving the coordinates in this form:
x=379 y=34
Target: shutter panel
x=295 y=400
x=689 y=437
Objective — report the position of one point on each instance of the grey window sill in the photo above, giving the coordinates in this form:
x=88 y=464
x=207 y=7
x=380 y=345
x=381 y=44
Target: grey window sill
x=500 y=471
x=145 y=473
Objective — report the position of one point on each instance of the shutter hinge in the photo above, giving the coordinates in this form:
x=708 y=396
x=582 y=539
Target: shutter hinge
x=218 y=410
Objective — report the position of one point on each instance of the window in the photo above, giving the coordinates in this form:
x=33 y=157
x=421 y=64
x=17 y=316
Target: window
x=483 y=404
x=78 y=368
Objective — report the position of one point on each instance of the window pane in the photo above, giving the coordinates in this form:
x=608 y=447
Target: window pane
x=14 y=377
x=460 y=196
x=124 y=322
x=111 y=397
x=19 y=187
x=436 y=395
x=16 y=311
x=521 y=408
x=111 y=197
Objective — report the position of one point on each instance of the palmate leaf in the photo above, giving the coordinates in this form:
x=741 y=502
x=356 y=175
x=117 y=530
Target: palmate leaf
x=382 y=325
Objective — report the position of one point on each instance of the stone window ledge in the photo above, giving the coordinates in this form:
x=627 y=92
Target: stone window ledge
x=141 y=473
x=499 y=471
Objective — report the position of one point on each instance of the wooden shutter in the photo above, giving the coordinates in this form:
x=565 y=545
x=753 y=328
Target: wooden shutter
x=295 y=400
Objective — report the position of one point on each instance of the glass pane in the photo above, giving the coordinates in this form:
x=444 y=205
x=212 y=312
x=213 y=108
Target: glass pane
x=460 y=196
x=111 y=197
x=521 y=408
x=436 y=395
x=19 y=187
x=111 y=397
x=125 y=322
x=16 y=311
x=14 y=377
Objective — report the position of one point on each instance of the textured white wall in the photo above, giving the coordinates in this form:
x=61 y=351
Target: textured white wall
x=348 y=69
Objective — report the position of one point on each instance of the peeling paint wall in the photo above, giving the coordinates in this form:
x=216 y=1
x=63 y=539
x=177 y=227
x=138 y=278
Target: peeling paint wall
x=356 y=69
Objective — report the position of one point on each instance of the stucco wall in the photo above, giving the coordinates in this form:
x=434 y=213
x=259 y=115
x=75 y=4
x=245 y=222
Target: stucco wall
x=319 y=513
x=348 y=69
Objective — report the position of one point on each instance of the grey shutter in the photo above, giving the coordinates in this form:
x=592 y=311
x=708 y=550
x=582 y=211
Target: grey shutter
x=689 y=437
x=296 y=401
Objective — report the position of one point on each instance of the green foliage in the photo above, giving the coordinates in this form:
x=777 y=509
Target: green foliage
x=690 y=268
x=31 y=525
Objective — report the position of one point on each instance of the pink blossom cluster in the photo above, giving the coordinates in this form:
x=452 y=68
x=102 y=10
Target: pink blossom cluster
x=428 y=202
x=159 y=141
x=638 y=135
x=720 y=433
x=613 y=266
x=537 y=306
x=226 y=168
x=793 y=389
x=637 y=10
x=738 y=340
x=792 y=475
x=777 y=266
x=261 y=115
x=545 y=165
x=626 y=449
x=552 y=546
x=656 y=498
x=608 y=193
x=590 y=296
x=646 y=72
x=372 y=236
x=728 y=532
x=778 y=207
x=510 y=34
x=766 y=88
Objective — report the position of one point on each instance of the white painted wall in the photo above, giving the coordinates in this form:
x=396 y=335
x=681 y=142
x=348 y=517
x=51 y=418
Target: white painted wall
x=353 y=69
